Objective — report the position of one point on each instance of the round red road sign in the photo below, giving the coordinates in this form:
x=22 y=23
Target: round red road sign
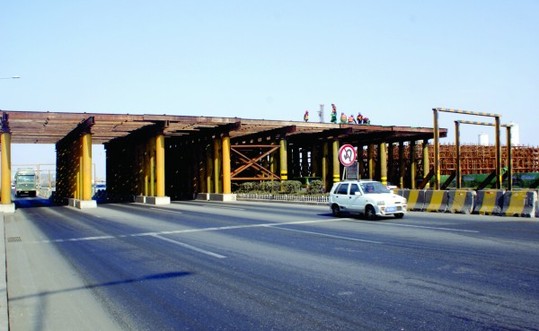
x=347 y=155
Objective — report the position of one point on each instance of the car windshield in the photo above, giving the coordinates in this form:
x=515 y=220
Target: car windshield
x=374 y=187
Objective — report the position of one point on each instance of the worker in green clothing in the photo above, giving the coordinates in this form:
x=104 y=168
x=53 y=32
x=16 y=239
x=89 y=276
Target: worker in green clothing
x=333 y=113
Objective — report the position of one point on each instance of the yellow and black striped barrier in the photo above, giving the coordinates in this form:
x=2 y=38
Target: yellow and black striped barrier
x=488 y=202
x=461 y=201
x=519 y=203
x=436 y=201
x=484 y=202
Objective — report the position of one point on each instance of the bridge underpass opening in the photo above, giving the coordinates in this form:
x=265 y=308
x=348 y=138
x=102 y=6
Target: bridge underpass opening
x=41 y=158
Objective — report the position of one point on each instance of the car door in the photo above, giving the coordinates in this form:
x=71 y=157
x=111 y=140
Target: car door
x=340 y=195
x=355 y=199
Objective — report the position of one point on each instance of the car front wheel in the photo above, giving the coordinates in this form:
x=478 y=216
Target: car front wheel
x=336 y=210
x=370 y=214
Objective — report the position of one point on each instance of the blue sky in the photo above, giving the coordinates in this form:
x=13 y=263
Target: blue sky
x=391 y=60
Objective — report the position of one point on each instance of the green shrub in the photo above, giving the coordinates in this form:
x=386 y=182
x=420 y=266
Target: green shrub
x=290 y=186
x=315 y=187
x=270 y=186
x=248 y=187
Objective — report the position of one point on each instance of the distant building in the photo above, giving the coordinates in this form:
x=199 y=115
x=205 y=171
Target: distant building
x=482 y=139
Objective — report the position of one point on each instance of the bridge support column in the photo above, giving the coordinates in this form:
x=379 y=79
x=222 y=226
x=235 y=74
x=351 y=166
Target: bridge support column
x=83 y=193
x=216 y=165
x=325 y=165
x=283 y=152
x=227 y=184
x=157 y=171
x=426 y=163
x=222 y=182
x=6 y=205
x=336 y=163
x=382 y=151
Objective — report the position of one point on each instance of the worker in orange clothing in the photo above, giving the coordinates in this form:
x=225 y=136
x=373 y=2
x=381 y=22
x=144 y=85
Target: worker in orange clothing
x=306 y=116
x=343 y=118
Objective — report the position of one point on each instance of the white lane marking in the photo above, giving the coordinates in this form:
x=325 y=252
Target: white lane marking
x=235 y=227
x=219 y=228
x=326 y=235
x=431 y=227
x=196 y=249
x=173 y=211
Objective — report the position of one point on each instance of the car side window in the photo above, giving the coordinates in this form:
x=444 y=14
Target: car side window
x=342 y=189
x=368 y=188
x=353 y=189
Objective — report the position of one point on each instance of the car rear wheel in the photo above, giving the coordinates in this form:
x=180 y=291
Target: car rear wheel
x=336 y=210
x=370 y=214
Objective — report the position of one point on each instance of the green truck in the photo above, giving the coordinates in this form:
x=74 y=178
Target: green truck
x=25 y=183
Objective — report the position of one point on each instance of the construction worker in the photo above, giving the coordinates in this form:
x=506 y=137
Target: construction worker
x=351 y=119
x=333 y=114
x=306 y=116
x=343 y=118
x=359 y=118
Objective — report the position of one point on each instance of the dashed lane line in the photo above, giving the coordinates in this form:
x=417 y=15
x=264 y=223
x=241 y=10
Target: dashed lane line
x=191 y=247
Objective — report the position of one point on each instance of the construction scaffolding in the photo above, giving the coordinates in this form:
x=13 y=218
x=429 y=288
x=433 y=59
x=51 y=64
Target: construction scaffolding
x=479 y=159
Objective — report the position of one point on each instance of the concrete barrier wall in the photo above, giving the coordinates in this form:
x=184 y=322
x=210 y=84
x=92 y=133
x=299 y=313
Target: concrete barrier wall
x=436 y=200
x=460 y=201
x=416 y=198
x=485 y=202
x=489 y=202
x=519 y=203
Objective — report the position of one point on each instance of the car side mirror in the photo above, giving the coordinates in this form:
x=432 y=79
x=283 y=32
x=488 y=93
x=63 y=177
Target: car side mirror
x=357 y=193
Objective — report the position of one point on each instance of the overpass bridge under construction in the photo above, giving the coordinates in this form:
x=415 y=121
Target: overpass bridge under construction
x=155 y=158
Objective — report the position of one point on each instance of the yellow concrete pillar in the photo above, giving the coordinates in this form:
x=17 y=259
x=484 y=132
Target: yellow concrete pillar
x=325 y=165
x=336 y=162
x=426 y=163
x=382 y=151
x=151 y=150
x=146 y=170
x=86 y=156
x=283 y=154
x=217 y=165
x=227 y=182
x=78 y=153
x=413 y=165
x=5 y=194
x=209 y=171
x=160 y=165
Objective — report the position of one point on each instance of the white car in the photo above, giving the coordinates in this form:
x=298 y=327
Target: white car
x=366 y=197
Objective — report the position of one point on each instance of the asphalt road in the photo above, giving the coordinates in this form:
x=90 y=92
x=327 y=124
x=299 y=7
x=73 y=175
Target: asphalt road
x=256 y=266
